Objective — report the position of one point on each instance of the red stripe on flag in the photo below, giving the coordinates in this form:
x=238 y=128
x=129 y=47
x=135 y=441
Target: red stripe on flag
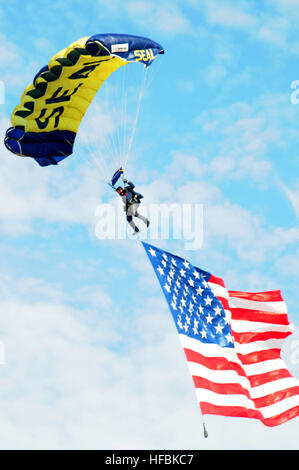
x=217 y=280
x=213 y=363
x=275 y=397
x=259 y=356
x=259 y=316
x=261 y=379
x=271 y=296
x=239 y=412
x=251 y=336
x=220 y=388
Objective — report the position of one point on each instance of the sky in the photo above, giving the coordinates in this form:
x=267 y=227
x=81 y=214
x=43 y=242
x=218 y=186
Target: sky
x=92 y=359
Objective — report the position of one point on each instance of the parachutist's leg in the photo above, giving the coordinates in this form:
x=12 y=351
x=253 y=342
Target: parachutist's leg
x=144 y=219
x=131 y=223
x=139 y=216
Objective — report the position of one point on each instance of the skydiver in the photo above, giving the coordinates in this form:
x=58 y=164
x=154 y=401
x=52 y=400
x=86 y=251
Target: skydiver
x=131 y=201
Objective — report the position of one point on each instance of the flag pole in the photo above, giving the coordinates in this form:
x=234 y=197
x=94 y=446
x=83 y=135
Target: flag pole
x=205 y=432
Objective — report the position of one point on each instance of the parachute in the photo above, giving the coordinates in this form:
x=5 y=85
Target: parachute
x=46 y=122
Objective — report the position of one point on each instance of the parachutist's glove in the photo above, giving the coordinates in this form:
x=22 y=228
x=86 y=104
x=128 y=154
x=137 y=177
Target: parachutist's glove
x=125 y=181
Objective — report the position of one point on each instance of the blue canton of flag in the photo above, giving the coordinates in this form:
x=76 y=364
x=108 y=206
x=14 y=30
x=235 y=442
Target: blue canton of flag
x=196 y=311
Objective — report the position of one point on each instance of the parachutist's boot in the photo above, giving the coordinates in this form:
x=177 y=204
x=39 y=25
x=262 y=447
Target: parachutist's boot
x=136 y=230
x=147 y=223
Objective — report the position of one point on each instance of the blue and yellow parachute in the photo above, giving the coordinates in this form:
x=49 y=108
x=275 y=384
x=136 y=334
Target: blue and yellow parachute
x=46 y=121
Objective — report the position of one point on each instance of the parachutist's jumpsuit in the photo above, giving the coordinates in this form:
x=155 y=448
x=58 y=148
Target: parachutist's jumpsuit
x=131 y=202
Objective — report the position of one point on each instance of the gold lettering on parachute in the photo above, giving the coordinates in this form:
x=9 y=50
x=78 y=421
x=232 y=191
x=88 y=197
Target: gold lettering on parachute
x=144 y=55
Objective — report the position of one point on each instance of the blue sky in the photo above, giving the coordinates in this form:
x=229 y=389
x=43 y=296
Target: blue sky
x=92 y=359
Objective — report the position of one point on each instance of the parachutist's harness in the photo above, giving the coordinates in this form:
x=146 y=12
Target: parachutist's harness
x=130 y=197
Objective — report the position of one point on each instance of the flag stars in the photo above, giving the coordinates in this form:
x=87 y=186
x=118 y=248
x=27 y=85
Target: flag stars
x=199 y=290
x=152 y=252
x=229 y=338
x=203 y=334
x=186 y=264
x=195 y=307
x=208 y=301
x=218 y=310
x=219 y=329
x=209 y=319
x=167 y=287
x=161 y=270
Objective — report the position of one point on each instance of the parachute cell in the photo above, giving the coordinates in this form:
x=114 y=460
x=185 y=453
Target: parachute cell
x=46 y=121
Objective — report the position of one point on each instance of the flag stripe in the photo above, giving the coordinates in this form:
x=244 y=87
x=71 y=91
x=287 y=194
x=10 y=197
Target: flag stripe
x=260 y=316
x=261 y=379
x=229 y=388
x=216 y=363
x=278 y=307
x=270 y=296
x=259 y=356
x=277 y=396
x=248 y=337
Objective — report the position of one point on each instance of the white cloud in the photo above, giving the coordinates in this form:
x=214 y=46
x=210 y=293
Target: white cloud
x=165 y=16
x=229 y=16
x=85 y=379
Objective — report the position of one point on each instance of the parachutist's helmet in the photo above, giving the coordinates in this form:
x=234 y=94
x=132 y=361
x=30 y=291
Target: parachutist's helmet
x=120 y=190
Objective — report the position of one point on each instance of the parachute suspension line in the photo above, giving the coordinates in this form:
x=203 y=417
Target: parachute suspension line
x=141 y=94
x=91 y=153
x=123 y=116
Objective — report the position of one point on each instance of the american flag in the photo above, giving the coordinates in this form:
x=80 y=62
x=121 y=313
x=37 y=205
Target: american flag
x=232 y=342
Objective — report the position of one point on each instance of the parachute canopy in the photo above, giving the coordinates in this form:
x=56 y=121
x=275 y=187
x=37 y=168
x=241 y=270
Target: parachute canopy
x=46 y=121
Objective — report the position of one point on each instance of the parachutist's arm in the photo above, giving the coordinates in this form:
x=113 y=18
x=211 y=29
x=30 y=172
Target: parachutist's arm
x=130 y=186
